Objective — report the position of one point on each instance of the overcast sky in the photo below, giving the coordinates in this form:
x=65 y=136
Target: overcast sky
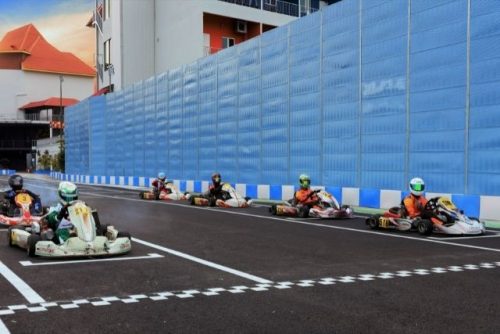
x=61 y=22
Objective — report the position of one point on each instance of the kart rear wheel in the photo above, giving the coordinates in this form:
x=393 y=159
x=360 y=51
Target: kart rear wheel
x=32 y=241
x=373 y=221
x=102 y=230
x=123 y=235
x=425 y=227
x=303 y=212
x=141 y=195
x=272 y=209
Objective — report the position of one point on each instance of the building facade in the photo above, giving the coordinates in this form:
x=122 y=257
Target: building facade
x=137 y=39
x=37 y=82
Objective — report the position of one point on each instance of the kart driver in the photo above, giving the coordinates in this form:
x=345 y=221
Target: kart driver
x=57 y=219
x=159 y=185
x=214 y=191
x=305 y=195
x=16 y=185
x=415 y=203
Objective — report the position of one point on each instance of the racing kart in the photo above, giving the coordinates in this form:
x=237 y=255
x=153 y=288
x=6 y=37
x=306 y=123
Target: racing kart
x=22 y=214
x=230 y=199
x=328 y=207
x=87 y=236
x=442 y=216
x=170 y=193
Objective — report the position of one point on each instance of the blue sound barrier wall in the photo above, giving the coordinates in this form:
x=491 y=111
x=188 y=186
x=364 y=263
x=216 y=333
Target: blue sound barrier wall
x=363 y=94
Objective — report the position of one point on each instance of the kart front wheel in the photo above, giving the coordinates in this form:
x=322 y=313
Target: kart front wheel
x=425 y=227
x=32 y=241
x=123 y=235
x=9 y=235
x=372 y=222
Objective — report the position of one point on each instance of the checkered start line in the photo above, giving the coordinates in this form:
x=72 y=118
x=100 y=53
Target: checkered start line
x=158 y=296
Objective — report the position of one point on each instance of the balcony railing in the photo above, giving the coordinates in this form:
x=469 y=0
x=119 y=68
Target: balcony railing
x=277 y=6
x=17 y=144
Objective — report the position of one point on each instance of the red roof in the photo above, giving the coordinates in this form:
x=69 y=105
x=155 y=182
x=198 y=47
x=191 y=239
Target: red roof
x=41 y=55
x=50 y=102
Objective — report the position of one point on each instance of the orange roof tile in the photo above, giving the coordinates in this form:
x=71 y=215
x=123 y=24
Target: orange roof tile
x=41 y=55
x=50 y=102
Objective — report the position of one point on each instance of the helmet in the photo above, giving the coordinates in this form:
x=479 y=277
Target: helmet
x=16 y=182
x=216 y=178
x=162 y=176
x=417 y=186
x=305 y=181
x=68 y=192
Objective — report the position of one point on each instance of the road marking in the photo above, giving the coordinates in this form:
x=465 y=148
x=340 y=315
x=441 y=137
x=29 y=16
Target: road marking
x=51 y=263
x=496 y=235
x=243 y=289
x=20 y=285
x=3 y=328
x=204 y=262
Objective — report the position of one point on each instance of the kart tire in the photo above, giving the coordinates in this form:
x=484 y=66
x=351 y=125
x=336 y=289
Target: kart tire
x=425 y=227
x=141 y=195
x=9 y=234
x=303 y=212
x=373 y=222
x=272 y=209
x=124 y=235
x=192 y=199
x=32 y=241
x=102 y=230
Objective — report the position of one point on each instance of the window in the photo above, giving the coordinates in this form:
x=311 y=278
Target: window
x=107 y=8
x=227 y=42
x=107 y=54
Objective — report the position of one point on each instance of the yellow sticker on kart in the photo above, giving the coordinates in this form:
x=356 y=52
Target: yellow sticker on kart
x=447 y=203
x=384 y=222
x=81 y=210
x=23 y=198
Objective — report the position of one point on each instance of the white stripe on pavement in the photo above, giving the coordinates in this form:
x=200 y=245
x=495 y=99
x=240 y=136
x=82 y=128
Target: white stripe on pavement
x=3 y=328
x=149 y=256
x=20 y=285
x=204 y=262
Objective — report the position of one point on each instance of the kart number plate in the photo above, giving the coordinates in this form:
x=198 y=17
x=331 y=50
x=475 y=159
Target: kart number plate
x=81 y=210
x=23 y=198
x=384 y=222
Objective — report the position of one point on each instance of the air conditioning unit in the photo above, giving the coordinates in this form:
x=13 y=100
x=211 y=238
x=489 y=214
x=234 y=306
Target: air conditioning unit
x=241 y=27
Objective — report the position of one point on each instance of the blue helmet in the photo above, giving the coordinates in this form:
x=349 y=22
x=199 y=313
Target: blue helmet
x=162 y=176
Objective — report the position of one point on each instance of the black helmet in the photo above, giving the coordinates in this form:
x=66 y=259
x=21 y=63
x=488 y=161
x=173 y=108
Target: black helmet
x=16 y=182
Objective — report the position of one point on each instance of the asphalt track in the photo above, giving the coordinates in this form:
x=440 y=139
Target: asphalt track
x=210 y=270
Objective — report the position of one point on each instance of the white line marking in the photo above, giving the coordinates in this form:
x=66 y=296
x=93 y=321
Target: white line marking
x=149 y=256
x=201 y=261
x=386 y=234
x=497 y=235
x=3 y=328
x=20 y=285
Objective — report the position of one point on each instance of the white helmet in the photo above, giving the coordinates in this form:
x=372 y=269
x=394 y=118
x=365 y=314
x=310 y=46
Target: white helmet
x=417 y=186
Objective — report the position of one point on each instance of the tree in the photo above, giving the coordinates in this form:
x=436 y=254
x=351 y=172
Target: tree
x=44 y=160
x=58 y=161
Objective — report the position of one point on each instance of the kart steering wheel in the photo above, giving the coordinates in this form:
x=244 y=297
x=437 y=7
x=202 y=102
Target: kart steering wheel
x=432 y=204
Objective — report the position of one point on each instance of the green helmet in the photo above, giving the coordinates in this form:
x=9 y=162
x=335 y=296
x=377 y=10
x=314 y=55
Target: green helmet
x=305 y=181
x=68 y=192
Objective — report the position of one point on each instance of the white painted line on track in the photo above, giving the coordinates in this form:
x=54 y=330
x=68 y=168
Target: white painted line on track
x=204 y=262
x=3 y=328
x=20 y=285
x=385 y=234
x=496 y=235
x=149 y=256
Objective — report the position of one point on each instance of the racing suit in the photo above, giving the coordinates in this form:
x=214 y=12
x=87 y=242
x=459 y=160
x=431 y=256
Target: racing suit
x=9 y=203
x=415 y=205
x=305 y=197
x=159 y=187
x=58 y=221
x=215 y=192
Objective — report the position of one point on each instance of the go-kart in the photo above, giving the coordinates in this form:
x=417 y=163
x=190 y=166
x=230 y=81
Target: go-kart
x=230 y=198
x=169 y=193
x=441 y=216
x=22 y=214
x=328 y=207
x=87 y=236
